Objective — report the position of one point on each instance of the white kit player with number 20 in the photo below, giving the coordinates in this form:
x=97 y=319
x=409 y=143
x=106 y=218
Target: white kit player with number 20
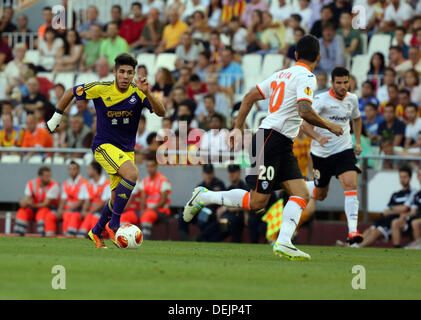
x=335 y=156
x=290 y=94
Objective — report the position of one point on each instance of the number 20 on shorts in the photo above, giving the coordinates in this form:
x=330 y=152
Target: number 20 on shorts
x=278 y=93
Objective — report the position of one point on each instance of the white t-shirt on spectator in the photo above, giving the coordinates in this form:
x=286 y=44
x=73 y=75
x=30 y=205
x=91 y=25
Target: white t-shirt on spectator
x=403 y=13
x=214 y=141
x=411 y=130
x=305 y=17
x=47 y=56
x=239 y=42
x=141 y=139
x=281 y=13
x=192 y=55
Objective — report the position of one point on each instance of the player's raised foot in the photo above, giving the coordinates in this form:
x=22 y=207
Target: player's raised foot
x=99 y=243
x=290 y=252
x=111 y=232
x=354 y=237
x=194 y=205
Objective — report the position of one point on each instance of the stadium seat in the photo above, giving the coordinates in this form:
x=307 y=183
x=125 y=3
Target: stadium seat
x=153 y=122
x=251 y=64
x=32 y=56
x=58 y=160
x=37 y=159
x=88 y=158
x=251 y=81
x=65 y=78
x=85 y=77
x=47 y=75
x=165 y=60
x=148 y=59
x=360 y=67
x=272 y=62
x=380 y=43
x=10 y=158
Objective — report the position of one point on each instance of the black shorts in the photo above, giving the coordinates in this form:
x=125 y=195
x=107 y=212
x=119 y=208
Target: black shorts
x=272 y=161
x=384 y=225
x=334 y=165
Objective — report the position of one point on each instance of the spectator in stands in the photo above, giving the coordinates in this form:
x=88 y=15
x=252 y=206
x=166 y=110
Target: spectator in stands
x=6 y=24
x=115 y=17
x=282 y=11
x=177 y=6
x=338 y=7
x=92 y=19
x=415 y=58
x=209 y=111
x=388 y=79
x=397 y=61
x=391 y=129
x=200 y=29
x=290 y=55
x=142 y=134
x=413 y=124
x=246 y=17
x=5 y=53
x=351 y=37
x=238 y=35
x=45 y=85
x=187 y=52
x=326 y=15
x=374 y=13
x=50 y=47
x=98 y=189
x=179 y=96
x=58 y=93
x=331 y=49
x=153 y=4
x=22 y=28
x=305 y=11
x=406 y=221
x=84 y=112
x=321 y=83
x=164 y=82
x=35 y=99
x=372 y=121
x=203 y=66
x=131 y=28
x=230 y=73
x=167 y=122
x=213 y=13
x=77 y=133
x=41 y=199
x=397 y=12
x=73 y=195
x=367 y=95
x=417 y=38
x=222 y=102
x=156 y=198
x=377 y=68
x=172 y=33
x=399 y=38
x=184 y=114
x=12 y=70
x=404 y=99
x=196 y=89
x=412 y=83
x=184 y=75
x=272 y=36
x=207 y=215
x=35 y=137
x=254 y=32
x=353 y=88
x=113 y=45
x=216 y=47
x=71 y=54
x=47 y=16
x=60 y=135
x=10 y=135
x=396 y=205
x=214 y=140
x=102 y=69
x=91 y=49
x=293 y=23
x=151 y=33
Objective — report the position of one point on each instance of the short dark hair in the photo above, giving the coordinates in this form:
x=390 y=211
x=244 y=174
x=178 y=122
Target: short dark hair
x=308 y=48
x=60 y=85
x=206 y=54
x=137 y=4
x=401 y=28
x=370 y=104
x=116 y=6
x=412 y=105
x=390 y=105
x=219 y=116
x=125 y=59
x=96 y=166
x=300 y=29
x=209 y=96
x=393 y=85
x=405 y=91
x=406 y=169
x=42 y=170
x=390 y=69
x=371 y=84
x=296 y=17
x=194 y=78
x=339 y=72
x=75 y=163
x=150 y=137
x=397 y=48
x=328 y=25
x=47 y=8
x=140 y=66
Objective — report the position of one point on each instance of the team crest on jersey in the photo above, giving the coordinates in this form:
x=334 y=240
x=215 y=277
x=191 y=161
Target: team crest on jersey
x=132 y=100
x=79 y=90
x=265 y=185
x=307 y=91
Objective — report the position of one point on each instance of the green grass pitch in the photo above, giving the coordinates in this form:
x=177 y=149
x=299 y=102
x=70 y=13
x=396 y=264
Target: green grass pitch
x=189 y=270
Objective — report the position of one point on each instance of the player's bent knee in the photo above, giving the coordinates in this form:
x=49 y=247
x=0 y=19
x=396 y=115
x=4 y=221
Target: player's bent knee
x=257 y=204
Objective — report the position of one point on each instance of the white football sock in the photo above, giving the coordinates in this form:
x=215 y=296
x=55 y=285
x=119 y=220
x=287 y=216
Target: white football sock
x=231 y=198
x=351 y=209
x=310 y=187
x=290 y=218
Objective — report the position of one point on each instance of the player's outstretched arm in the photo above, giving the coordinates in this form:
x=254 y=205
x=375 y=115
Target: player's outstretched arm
x=250 y=98
x=53 y=123
x=156 y=103
x=312 y=117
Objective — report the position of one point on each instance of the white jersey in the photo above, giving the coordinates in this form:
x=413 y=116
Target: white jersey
x=331 y=108
x=285 y=88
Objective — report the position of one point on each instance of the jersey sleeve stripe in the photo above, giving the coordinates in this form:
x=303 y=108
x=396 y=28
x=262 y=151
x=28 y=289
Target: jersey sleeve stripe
x=261 y=92
x=304 y=99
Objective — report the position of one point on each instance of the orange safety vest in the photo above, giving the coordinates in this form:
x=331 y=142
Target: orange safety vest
x=135 y=203
x=152 y=189
x=72 y=191
x=95 y=193
x=39 y=193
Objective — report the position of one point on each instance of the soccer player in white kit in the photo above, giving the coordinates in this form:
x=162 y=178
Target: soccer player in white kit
x=335 y=156
x=291 y=94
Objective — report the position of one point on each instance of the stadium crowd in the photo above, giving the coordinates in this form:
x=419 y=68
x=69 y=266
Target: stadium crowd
x=210 y=39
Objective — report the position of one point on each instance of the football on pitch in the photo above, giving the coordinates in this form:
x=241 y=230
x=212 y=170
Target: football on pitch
x=129 y=237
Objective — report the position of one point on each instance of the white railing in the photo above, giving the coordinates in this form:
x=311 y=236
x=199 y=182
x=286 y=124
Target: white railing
x=16 y=37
